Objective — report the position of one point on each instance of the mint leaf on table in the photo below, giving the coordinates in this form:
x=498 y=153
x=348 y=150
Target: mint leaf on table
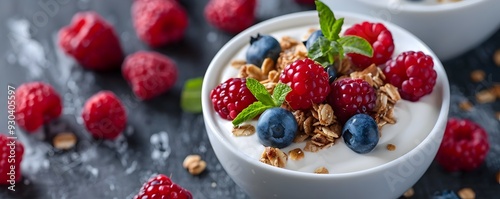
x=280 y=92
x=355 y=44
x=191 y=95
x=259 y=91
x=250 y=112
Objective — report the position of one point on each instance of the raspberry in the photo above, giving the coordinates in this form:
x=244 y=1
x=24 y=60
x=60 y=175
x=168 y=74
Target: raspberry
x=11 y=154
x=104 y=115
x=379 y=37
x=160 y=187
x=36 y=103
x=232 y=16
x=149 y=73
x=92 y=42
x=464 y=146
x=159 y=22
x=231 y=97
x=309 y=83
x=413 y=74
x=350 y=97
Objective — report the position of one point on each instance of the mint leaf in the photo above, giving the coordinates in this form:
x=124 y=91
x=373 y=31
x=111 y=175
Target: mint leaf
x=259 y=91
x=327 y=22
x=355 y=44
x=250 y=112
x=191 y=95
x=323 y=51
x=337 y=27
x=280 y=92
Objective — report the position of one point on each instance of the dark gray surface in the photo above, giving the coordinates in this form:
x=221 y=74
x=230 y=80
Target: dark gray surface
x=96 y=169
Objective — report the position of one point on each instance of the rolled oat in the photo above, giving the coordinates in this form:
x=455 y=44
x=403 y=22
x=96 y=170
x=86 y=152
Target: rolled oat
x=465 y=105
x=409 y=193
x=64 y=140
x=477 y=75
x=274 y=157
x=321 y=170
x=466 y=193
x=296 y=154
x=194 y=164
x=496 y=57
x=485 y=96
x=391 y=147
x=243 y=130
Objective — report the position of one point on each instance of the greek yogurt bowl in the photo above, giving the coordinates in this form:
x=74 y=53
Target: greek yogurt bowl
x=378 y=174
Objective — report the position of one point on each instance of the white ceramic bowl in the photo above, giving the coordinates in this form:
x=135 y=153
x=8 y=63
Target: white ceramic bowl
x=449 y=29
x=259 y=180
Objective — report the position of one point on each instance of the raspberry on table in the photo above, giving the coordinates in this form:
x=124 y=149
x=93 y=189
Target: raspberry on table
x=309 y=83
x=231 y=97
x=232 y=16
x=160 y=187
x=104 y=115
x=149 y=73
x=413 y=73
x=5 y=165
x=379 y=37
x=159 y=22
x=464 y=146
x=349 y=97
x=91 y=41
x=36 y=104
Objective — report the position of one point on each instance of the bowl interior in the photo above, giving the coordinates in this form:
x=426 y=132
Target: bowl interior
x=296 y=25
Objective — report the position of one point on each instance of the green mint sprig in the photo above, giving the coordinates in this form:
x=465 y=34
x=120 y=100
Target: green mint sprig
x=325 y=49
x=191 y=95
x=264 y=100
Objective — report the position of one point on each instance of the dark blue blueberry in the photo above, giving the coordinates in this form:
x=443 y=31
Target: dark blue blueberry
x=360 y=133
x=312 y=38
x=276 y=127
x=262 y=47
x=445 y=194
x=332 y=73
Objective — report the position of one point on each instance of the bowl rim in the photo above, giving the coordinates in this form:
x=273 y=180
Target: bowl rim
x=212 y=72
x=419 y=8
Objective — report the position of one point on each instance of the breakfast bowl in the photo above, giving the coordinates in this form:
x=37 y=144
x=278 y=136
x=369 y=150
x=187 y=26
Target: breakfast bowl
x=382 y=173
x=449 y=29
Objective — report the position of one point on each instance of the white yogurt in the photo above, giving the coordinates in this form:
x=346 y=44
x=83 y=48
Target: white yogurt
x=415 y=120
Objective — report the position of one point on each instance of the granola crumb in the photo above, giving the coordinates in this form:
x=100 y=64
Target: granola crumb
x=465 y=105
x=194 y=164
x=64 y=141
x=409 y=193
x=321 y=170
x=485 y=96
x=477 y=75
x=296 y=154
x=274 y=157
x=496 y=57
x=391 y=147
x=238 y=63
x=466 y=193
x=498 y=177
x=243 y=130
x=495 y=90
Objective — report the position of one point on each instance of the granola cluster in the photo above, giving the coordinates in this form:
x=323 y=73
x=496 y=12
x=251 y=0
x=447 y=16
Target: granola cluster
x=318 y=126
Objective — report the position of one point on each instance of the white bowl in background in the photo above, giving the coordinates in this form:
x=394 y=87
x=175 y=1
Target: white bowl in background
x=449 y=29
x=259 y=180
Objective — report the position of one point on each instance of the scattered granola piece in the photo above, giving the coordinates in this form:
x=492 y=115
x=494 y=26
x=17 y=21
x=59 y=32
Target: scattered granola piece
x=496 y=57
x=465 y=105
x=296 y=154
x=194 y=164
x=498 y=177
x=321 y=170
x=466 y=193
x=274 y=157
x=495 y=90
x=409 y=193
x=477 y=75
x=64 y=141
x=485 y=96
x=243 y=130
x=391 y=147
x=238 y=63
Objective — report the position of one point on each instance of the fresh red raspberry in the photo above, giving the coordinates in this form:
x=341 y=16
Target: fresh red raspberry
x=11 y=154
x=379 y=37
x=309 y=83
x=159 y=22
x=36 y=104
x=413 y=74
x=104 y=115
x=149 y=73
x=350 y=97
x=232 y=16
x=161 y=187
x=464 y=146
x=92 y=42
x=231 y=97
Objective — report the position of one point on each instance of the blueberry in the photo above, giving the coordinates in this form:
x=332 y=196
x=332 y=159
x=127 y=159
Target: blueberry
x=332 y=73
x=276 y=127
x=360 y=133
x=262 y=47
x=445 y=194
x=312 y=38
